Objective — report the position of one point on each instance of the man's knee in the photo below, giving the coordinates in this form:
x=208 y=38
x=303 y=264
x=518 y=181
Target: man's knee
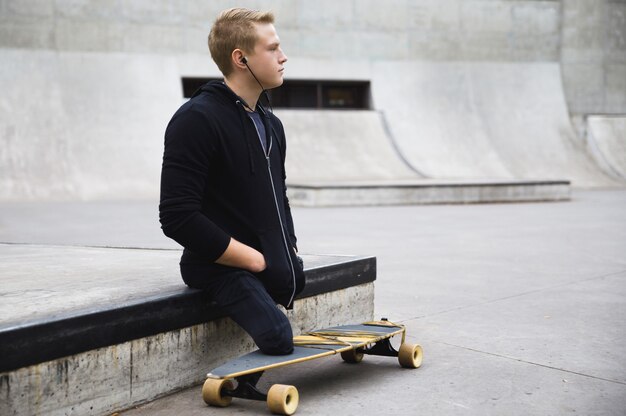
x=277 y=341
x=247 y=302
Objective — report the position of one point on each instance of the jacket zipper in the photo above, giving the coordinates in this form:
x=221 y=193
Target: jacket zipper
x=280 y=220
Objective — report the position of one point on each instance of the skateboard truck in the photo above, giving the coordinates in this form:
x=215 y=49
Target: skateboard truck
x=246 y=388
x=382 y=348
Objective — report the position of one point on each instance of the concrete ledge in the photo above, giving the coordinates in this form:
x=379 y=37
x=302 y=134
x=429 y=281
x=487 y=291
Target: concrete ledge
x=424 y=192
x=95 y=360
x=41 y=339
x=101 y=381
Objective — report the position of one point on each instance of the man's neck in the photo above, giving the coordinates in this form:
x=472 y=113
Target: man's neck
x=249 y=93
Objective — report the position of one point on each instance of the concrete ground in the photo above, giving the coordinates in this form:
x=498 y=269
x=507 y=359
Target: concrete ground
x=519 y=307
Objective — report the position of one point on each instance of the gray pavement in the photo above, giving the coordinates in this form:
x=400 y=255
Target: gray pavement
x=519 y=307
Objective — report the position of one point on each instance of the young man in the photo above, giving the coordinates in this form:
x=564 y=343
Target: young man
x=223 y=193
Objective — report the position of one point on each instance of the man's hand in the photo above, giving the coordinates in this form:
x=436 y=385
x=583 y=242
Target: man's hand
x=242 y=256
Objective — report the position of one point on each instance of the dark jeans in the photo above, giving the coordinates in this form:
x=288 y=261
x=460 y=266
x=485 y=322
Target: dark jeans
x=244 y=298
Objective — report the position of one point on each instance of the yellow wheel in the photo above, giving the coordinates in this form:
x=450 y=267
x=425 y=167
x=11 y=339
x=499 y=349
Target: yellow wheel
x=410 y=355
x=282 y=400
x=352 y=356
x=212 y=392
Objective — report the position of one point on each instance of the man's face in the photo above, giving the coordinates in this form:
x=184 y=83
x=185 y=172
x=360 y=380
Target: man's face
x=268 y=58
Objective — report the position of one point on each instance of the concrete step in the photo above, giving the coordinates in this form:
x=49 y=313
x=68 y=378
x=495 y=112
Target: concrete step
x=89 y=330
x=425 y=192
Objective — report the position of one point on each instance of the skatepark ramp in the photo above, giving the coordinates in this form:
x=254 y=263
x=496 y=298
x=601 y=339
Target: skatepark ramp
x=477 y=120
x=606 y=141
x=348 y=157
x=92 y=129
x=341 y=146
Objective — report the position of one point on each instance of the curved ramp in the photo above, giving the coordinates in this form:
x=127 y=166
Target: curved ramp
x=83 y=125
x=484 y=120
x=606 y=139
x=340 y=146
x=338 y=157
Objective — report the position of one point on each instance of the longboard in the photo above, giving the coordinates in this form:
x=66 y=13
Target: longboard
x=352 y=342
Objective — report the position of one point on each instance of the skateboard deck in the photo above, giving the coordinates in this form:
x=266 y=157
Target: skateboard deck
x=352 y=342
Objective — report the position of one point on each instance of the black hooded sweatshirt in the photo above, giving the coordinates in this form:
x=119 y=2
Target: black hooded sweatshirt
x=218 y=182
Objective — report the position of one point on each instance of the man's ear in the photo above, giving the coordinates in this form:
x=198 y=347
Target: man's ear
x=238 y=58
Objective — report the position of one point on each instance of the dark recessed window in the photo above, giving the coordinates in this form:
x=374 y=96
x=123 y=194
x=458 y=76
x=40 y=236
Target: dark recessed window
x=295 y=94
x=190 y=85
x=343 y=96
x=322 y=94
x=307 y=94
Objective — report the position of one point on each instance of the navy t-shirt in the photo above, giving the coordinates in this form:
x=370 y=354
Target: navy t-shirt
x=260 y=128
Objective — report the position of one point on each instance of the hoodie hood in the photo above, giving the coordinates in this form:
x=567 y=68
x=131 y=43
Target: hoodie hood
x=215 y=86
x=223 y=93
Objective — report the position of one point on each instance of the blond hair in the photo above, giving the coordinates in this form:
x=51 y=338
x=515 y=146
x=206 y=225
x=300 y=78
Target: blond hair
x=234 y=29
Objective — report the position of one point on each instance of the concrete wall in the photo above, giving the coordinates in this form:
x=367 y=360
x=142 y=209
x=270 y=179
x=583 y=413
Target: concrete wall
x=593 y=56
x=502 y=30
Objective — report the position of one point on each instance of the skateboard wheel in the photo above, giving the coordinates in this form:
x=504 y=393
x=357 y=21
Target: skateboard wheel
x=282 y=399
x=212 y=392
x=410 y=355
x=352 y=356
